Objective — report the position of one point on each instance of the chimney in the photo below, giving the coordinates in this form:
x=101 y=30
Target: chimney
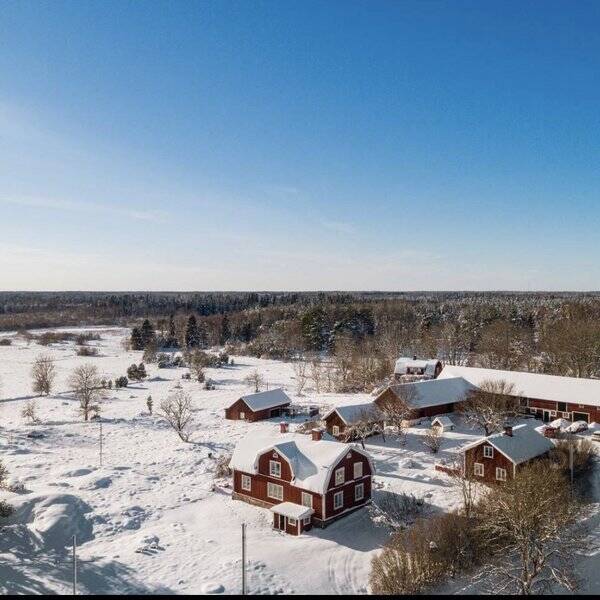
x=317 y=435
x=283 y=427
x=508 y=430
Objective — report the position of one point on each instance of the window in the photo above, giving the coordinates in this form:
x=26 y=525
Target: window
x=562 y=406
x=358 y=470
x=478 y=469
x=242 y=415
x=307 y=500
x=292 y=522
x=275 y=491
x=500 y=474
x=359 y=491
x=339 y=476
x=338 y=500
x=246 y=483
x=336 y=430
x=274 y=468
x=488 y=452
x=306 y=521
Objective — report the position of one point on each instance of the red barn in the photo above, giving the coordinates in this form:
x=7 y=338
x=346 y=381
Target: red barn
x=259 y=406
x=498 y=456
x=547 y=396
x=304 y=480
x=341 y=420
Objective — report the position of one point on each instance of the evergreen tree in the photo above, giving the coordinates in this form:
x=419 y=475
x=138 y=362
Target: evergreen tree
x=148 y=335
x=313 y=328
x=172 y=336
x=225 y=331
x=137 y=341
x=192 y=334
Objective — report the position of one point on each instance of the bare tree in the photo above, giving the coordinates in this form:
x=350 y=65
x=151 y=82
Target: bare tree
x=29 y=412
x=43 y=373
x=397 y=408
x=491 y=405
x=396 y=511
x=86 y=386
x=255 y=380
x=316 y=374
x=177 y=411
x=300 y=368
x=433 y=439
x=368 y=422
x=531 y=524
x=468 y=487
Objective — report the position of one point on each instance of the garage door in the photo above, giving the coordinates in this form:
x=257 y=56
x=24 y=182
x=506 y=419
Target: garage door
x=578 y=416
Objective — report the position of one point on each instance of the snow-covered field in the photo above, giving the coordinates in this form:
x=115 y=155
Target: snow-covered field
x=152 y=518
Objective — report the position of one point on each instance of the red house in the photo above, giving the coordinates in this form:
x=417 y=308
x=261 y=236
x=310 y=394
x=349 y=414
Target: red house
x=341 y=420
x=411 y=369
x=259 y=406
x=498 y=457
x=548 y=397
x=304 y=480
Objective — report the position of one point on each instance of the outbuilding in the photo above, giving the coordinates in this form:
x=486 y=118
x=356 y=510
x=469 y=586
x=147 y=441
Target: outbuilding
x=259 y=406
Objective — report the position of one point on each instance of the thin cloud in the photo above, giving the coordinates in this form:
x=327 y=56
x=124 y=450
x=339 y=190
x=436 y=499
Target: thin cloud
x=339 y=226
x=156 y=216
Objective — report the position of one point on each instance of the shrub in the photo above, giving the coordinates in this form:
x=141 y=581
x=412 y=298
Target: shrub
x=136 y=372
x=87 y=351
x=583 y=455
x=433 y=439
x=5 y=341
x=121 y=382
x=222 y=468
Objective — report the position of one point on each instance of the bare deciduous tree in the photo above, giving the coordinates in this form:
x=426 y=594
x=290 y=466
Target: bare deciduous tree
x=316 y=374
x=300 y=368
x=368 y=422
x=29 y=412
x=43 y=373
x=468 y=487
x=177 y=411
x=86 y=386
x=490 y=406
x=397 y=408
x=396 y=511
x=532 y=524
x=255 y=380
x=433 y=439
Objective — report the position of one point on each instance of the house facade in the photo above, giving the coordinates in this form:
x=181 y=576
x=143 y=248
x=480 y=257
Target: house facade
x=341 y=421
x=498 y=457
x=407 y=369
x=259 y=406
x=304 y=480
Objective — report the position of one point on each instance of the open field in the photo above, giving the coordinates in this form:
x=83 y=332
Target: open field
x=152 y=518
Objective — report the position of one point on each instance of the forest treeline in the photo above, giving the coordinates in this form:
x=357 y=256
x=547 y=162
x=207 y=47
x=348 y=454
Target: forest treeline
x=555 y=333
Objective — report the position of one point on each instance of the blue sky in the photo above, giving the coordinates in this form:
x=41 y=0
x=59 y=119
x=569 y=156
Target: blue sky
x=299 y=145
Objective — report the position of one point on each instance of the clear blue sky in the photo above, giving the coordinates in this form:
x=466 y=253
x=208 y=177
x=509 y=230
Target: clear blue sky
x=300 y=145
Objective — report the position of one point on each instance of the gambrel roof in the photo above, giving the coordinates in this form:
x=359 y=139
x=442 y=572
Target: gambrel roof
x=405 y=362
x=311 y=461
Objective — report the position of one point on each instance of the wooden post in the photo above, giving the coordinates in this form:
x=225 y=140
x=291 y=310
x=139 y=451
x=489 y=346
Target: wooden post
x=100 y=441
x=243 y=559
x=74 y=565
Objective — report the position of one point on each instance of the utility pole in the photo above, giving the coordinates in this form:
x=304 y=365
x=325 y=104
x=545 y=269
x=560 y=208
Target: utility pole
x=571 y=459
x=100 y=441
x=74 y=565
x=243 y=559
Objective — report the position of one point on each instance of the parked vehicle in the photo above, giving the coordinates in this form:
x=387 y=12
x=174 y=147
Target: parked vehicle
x=596 y=436
x=577 y=426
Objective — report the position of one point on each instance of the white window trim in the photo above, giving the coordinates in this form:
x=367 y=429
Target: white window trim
x=335 y=496
x=272 y=463
x=360 y=465
x=242 y=415
x=292 y=522
x=310 y=498
x=271 y=486
x=248 y=479
x=336 y=430
x=341 y=470
x=361 y=487
x=476 y=468
x=306 y=521
x=498 y=478
x=488 y=452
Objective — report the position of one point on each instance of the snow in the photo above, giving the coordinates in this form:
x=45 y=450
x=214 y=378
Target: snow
x=152 y=518
x=311 y=461
x=434 y=392
x=404 y=363
x=351 y=413
x=294 y=511
x=266 y=399
x=574 y=390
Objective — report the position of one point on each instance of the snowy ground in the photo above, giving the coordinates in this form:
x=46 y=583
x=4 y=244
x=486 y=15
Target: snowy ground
x=149 y=519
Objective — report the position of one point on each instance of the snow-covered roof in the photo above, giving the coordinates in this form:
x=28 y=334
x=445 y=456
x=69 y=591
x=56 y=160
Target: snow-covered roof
x=524 y=444
x=443 y=420
x=433 y=392
x=533 y=385
x=351 y=413
x=267 y=399
x=404 y=363
x=311 y=461
x=291 y=510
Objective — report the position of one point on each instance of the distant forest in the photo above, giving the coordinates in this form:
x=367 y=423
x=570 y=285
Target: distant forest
x=543 y=332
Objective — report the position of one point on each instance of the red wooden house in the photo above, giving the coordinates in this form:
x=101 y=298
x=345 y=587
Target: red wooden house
x=304 y=480
x=499 y=456
x=259 y=406
x=341 y=420
x=548 y=397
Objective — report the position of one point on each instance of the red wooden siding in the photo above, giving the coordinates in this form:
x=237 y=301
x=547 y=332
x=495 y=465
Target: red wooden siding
x=239 y=406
